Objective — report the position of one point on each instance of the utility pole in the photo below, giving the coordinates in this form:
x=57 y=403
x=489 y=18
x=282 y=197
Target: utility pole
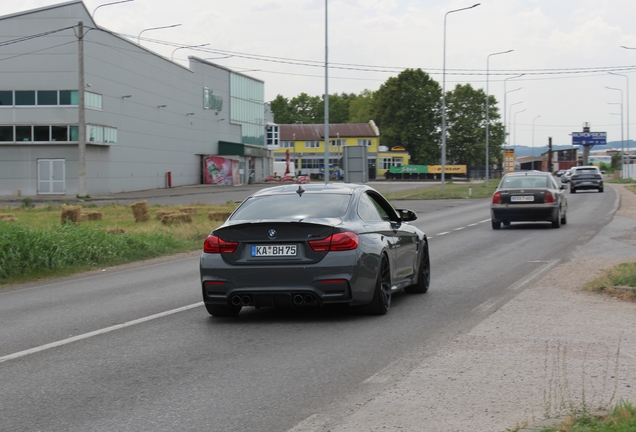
x=549 y=154
x=81 y=140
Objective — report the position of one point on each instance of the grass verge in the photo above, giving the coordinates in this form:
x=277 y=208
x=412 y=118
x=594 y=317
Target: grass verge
x=622 y=418
x=35 y=245
x=451 y=191
x=619 y=282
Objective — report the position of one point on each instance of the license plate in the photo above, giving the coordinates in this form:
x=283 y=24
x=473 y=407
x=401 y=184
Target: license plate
x=524 y=198
x=273 y=250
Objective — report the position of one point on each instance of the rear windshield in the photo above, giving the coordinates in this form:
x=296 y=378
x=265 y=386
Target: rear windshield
x=586 y=171
x=292 y=206
x=525 y=182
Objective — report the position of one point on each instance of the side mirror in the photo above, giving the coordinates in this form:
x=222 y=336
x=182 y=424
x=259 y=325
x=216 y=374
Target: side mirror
x=564 y=186
x=407 y=215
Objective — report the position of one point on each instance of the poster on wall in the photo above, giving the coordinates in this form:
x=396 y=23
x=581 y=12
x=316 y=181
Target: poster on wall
x=220 y=171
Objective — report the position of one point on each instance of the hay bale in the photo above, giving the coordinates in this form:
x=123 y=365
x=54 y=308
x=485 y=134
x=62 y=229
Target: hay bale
x=71 y=214
x=93 y=216
x=219 y=216
x=189 y=210
x=161 y=213
x=8 y=218
x=83 y=217
x=140 y=211
x=114 y=230
x=176 y=218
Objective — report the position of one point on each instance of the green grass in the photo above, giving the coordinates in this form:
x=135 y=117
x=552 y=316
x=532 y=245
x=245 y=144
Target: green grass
x=623 y=275
x=451 y=191
x=622 y=418
x=35 y=245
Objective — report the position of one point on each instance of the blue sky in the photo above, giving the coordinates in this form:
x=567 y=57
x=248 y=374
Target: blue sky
x=564 y=47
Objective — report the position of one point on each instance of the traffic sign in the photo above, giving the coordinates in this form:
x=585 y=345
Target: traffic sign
x=589 y=138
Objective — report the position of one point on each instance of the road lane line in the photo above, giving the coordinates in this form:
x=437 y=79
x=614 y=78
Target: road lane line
x=459 y=229
x=95 y=333
x=534 y=274
x=443 y=233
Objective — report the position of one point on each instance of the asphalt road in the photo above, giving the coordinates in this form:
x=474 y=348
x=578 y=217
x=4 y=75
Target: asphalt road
x=133 y=350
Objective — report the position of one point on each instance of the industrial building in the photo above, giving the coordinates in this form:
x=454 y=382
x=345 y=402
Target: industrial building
x=84 y=111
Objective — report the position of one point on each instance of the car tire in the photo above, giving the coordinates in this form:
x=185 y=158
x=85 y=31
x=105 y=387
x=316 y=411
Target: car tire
x=381 y=302
x=564 y=219
x=423 y=274
x=572 y=190
x=556 y=223
x=600 y=189
x=223 y=310
x=495 y=224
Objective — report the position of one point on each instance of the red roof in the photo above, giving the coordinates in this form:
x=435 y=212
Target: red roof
x=316 y=132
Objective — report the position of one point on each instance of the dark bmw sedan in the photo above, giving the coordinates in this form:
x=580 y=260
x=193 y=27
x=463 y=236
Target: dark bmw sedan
x=529 y=196
x=313 y=245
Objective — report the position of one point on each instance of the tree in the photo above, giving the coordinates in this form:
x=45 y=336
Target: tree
x=361 y=106
x=406 y=109
x=281 y=110
x=466 y=127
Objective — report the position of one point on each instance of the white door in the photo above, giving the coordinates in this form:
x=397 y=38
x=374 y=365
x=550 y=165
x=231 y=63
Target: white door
x=51 y=174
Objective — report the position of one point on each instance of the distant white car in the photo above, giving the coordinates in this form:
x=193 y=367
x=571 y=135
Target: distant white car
x=565 y=177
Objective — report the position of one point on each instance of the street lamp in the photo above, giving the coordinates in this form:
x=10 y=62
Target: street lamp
x=505 y=93
x=154 y=28
x=622 y=142
x=510 y=108
x=533 y=138
x=627 y=102
x=189 y=46
x=107 y=4
x=444 y=93
x=514 y=125
x=487 y=106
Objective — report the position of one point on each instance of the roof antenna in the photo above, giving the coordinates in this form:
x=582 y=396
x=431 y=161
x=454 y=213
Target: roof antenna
x=300 y=190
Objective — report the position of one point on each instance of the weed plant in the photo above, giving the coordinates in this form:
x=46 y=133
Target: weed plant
x=622 y=418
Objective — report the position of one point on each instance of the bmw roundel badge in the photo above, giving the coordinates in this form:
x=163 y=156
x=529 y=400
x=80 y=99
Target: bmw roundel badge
x=271 y=233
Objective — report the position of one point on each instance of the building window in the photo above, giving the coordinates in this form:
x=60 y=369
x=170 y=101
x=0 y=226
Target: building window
x=74 y=130
x=92 y=100
x=110 y=135
x=69 y=97
x=23 y=133
x=312 y=144
x=337 y=143
x=41 y=133
x=364 y=142
x=6 y=98
x=47 y=97
x=6 y=133
x=59 y=133
x=101 y=134
x=387 y=162
x=25 y=97
x=273 y=135
x=286 y=144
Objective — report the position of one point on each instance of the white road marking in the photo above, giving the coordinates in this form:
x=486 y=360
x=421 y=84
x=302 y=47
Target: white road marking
x=459 y=229
x=444 y=233
x=95 y=333
x=534 y=274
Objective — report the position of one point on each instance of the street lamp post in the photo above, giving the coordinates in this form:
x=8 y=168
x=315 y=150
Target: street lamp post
x=189 y=46
x=487 y=106
x=510 y=109
x=505 y=106
x=154 y=28
x=108 y=4
x=622 y=127
x=627 y=114
x=533 y=138
x=444 y=93
x=514 y=126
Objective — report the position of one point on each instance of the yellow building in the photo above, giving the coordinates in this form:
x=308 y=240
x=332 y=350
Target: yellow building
x=306 y=145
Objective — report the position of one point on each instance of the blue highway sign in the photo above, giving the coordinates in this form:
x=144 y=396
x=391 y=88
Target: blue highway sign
x=589 y=138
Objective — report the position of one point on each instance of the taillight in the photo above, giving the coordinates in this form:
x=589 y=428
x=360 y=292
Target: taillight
x=549 y=198
x=496 y=198
x=214 y=244
x=337 y=242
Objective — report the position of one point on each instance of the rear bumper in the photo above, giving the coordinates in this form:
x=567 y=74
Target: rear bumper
x=524 y=212
x=586 y=184
x=339 y=278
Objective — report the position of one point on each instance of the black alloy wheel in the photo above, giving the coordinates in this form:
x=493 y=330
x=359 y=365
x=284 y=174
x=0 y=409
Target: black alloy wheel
x=423 y=276
x=381 y=302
